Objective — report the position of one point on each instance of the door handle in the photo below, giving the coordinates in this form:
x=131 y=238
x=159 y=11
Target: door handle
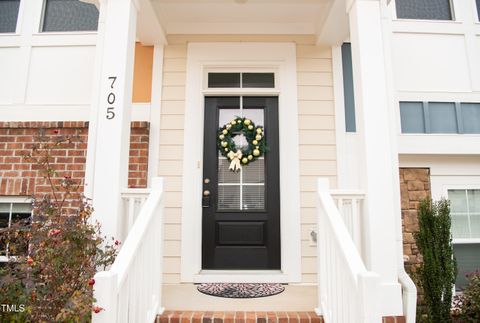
x=206 y=198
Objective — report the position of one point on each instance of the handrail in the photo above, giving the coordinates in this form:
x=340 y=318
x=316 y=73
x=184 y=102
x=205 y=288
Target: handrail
x=131 y=290
x=347 y=291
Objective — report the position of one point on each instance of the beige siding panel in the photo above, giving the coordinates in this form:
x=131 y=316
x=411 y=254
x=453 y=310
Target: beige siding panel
x=309 y=265
x=318 y=168
x=174 y=122
x=315 y=93
x=170 y=167
x=316 y=122
x=173 y=93
x=174 y=79
x=173 y=199
x=173 y=215
x=171 y=278
x=309 y=215
x=173 y=107
x=171 y=153
x=175 y=64
x=309 y=278
x=308 y=250
x=309 y=183
x=171 y=265
x=317 y=137
x=175 y=51
x=318 y=152
x=324 y=108
x=173 y=183
x=305 y=51
x=314 y=65
x=171 y=137
x=308 y=199
x=315 y=78
x=172 y=248
x=173 y=231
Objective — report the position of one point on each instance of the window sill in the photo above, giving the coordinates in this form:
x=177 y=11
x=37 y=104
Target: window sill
x=427 y=26
x=64 y=39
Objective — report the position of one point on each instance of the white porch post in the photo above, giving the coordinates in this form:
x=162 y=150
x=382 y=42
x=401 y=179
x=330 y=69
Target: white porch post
x=109 y=133
x=379 y=164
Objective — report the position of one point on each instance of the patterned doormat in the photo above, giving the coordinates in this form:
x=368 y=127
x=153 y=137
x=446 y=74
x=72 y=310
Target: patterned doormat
x=241 y=290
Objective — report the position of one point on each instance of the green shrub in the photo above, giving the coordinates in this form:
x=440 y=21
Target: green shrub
x=468 y=302
x=53 y=276
x=436 y=275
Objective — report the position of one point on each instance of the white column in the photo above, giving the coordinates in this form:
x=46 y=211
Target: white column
x=380 y=174
x=109 y=133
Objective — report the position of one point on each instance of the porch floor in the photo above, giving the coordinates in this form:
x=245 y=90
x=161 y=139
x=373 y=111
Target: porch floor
x=295 y=298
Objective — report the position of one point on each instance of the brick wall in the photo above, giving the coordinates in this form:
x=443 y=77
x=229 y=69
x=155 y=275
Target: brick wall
x=19 y=176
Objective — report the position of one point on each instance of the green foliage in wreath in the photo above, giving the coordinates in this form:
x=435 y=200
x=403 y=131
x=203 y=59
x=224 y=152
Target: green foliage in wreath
x=255 y=136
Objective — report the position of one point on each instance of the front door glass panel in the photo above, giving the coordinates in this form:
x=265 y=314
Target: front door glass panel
x=243 y=190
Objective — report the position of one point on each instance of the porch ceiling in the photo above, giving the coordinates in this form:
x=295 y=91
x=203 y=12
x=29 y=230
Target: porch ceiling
x=242 y=16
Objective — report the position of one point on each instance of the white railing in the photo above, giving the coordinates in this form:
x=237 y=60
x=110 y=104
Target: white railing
x=350 y=206
x=131 y=290
x=133 y=200
x=347 y=292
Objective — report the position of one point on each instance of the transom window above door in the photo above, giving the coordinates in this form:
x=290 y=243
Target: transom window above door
x=241 y=80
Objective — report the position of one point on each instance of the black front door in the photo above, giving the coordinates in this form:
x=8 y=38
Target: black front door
x=241 y=210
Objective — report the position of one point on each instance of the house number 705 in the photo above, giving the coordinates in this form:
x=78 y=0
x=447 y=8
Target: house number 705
x=111 y=99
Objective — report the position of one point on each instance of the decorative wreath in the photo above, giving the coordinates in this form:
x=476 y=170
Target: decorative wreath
x=255 y=137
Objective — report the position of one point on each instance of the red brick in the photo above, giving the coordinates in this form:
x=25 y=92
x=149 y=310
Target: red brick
x=314 y=318
x=197 y=317
x=292 y=317
x=304 y=318
x=186 y=317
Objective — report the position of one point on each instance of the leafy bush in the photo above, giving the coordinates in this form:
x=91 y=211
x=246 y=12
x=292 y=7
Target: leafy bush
x=53 y=276
x=436 y=275
x=467 y=304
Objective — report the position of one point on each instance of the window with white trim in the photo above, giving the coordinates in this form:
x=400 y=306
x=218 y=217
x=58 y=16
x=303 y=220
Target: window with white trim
x=9 y=15
x=69 y=15
x=440 y=117
x=13 y=211
x=465 y=213
x=424 y=9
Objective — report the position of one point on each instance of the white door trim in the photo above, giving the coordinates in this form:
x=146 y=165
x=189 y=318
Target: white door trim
x=281 y=58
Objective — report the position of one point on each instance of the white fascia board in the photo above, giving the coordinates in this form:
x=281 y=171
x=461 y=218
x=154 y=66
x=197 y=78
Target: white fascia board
x=149 y=28
x=240 y=28
x=336 y=27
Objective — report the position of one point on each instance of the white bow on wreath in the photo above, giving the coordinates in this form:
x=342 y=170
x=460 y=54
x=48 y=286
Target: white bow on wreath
x=235 y=160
